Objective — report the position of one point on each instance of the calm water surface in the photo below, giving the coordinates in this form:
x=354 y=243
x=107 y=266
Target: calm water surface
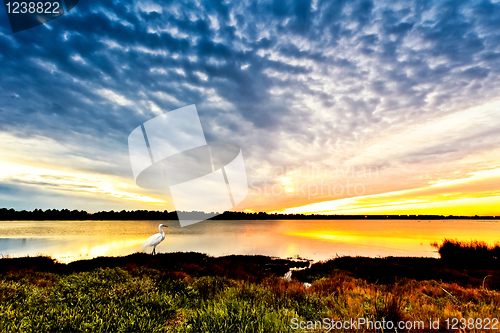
x=318 y=240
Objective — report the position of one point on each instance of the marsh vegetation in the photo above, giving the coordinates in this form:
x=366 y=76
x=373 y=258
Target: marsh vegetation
x=192 y=292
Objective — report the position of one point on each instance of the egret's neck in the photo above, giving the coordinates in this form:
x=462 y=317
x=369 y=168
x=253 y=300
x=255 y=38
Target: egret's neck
x=161 y=230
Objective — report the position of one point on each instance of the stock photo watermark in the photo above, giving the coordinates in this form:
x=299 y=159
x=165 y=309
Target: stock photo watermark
x=170 y=152
x=432 y=324
x=25 y=15
x=310 y=180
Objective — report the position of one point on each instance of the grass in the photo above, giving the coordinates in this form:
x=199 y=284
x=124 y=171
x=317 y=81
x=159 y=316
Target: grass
x=480 y=253
x=196 y=293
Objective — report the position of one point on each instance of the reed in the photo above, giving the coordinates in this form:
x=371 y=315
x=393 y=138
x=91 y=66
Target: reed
x=195 y=298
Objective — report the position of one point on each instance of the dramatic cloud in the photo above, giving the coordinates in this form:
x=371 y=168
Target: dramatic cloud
x=325 y=82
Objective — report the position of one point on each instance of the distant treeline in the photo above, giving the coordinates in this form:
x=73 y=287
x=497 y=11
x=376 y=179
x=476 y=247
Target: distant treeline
x=66 y=214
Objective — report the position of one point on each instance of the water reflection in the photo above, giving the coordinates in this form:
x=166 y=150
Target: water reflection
x=319 y=240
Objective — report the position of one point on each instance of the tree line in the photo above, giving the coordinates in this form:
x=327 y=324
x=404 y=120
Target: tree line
x=80 y=215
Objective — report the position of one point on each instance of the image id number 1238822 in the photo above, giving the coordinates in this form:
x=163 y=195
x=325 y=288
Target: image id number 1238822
x=472 y=323
x=33 y=7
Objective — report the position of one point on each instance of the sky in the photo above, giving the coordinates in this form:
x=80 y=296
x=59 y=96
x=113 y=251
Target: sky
x=339 y=107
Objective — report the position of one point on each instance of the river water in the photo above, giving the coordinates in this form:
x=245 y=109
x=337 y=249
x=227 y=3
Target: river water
x=313 y=239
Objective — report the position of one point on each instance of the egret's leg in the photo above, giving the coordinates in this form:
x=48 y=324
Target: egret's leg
x=154 y=248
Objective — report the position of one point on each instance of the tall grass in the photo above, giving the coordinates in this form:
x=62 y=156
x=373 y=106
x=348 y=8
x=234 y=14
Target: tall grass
x=101 y=300
x=472 y=252
x=153 y=300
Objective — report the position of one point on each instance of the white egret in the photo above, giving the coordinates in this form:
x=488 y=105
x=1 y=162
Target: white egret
x=155 y=239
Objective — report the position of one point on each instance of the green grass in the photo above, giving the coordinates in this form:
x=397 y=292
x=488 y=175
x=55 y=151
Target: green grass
x=145 y=299
x=102 y=300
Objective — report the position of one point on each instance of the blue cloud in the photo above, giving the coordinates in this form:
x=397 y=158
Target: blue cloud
x=249 y=66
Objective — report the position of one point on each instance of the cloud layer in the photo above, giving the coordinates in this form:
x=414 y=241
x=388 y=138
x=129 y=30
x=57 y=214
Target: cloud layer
x=328 y=82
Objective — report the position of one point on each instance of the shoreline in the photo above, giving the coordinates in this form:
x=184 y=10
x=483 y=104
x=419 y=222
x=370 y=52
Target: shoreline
x=381 y=269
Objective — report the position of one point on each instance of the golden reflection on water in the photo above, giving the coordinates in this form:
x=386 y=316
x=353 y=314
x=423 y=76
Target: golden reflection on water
x=402 y=237
x=318 y=240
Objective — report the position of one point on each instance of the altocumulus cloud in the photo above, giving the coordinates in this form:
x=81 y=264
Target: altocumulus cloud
x=287 y=80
